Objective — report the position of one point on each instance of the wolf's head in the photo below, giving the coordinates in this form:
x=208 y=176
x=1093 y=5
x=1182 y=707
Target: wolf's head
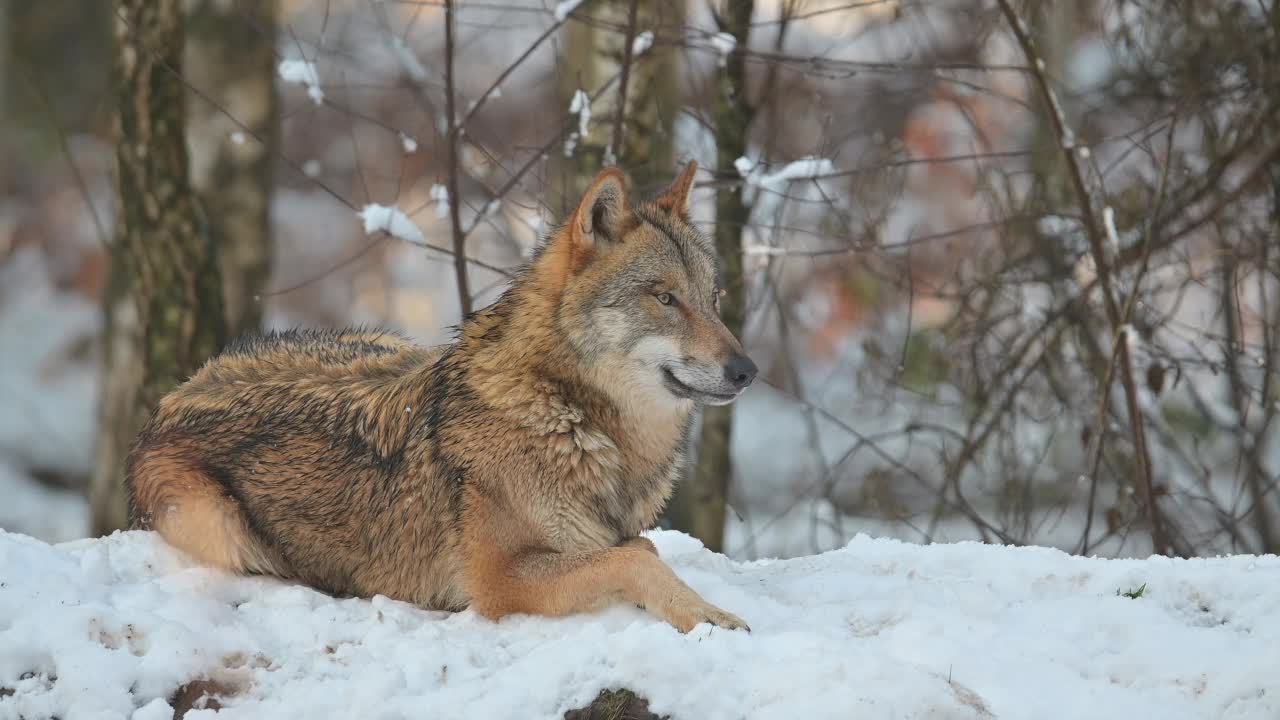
x=639 y=298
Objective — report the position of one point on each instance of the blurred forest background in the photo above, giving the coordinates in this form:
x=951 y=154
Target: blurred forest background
x=1010 y=269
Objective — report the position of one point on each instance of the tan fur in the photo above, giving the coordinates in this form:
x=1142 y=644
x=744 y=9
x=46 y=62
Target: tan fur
x=510 y=472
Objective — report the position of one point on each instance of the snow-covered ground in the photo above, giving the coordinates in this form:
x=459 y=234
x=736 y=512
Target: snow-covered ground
x=112 y=627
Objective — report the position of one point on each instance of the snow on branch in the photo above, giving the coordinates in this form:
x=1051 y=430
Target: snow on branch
x=642 y=43
x=392 y=221
x=724 y=43
x=806 y=168
x=580 y=104
x=440 y=195
x=563 y=9
x=302 y=72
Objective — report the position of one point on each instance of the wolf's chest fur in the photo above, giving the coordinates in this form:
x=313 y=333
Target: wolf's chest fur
x=586 y=472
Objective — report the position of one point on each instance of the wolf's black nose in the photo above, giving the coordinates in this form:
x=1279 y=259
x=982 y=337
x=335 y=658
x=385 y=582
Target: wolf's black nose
x=740 y=371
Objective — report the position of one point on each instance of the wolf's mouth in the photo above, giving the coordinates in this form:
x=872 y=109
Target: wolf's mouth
x=683 y=390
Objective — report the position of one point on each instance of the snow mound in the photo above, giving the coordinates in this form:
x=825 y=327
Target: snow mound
x=112 y=627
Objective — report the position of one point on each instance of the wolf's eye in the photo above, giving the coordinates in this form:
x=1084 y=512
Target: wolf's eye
x=665 y=298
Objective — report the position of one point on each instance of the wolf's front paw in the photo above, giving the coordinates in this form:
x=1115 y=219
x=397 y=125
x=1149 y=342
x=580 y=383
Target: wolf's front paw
x=687 y=616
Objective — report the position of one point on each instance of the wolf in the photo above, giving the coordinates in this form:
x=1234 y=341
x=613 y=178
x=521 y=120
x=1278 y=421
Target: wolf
x=511 y=471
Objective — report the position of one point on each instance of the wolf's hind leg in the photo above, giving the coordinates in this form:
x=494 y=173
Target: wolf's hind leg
x=192 y=512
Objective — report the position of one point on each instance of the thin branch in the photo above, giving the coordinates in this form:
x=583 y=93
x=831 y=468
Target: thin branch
x=510 y=69
x=619 y=122
x=455 y=197
x=1097 y=244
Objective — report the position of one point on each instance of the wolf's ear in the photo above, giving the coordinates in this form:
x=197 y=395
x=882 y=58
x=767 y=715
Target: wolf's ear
x=675 y=199
x=602 y=218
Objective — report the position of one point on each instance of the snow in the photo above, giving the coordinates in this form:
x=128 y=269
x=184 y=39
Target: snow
x=581 y=104
x=112 y=627
x=440 y=196
x=642 y=42
x=391 y=220
x=157 y=709
x=775 y=183
x=1113 y=237
x=805 y=168
x=802 y=169
x=724 y=43
x=563 y=9
x=303 y=72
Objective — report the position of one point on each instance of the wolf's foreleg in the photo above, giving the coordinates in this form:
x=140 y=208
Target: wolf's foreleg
x=552 y=583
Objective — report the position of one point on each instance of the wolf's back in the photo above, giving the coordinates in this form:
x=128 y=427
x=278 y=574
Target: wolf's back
x=282 y=453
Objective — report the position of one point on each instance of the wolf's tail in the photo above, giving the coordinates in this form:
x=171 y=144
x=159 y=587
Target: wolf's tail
x=193 y=512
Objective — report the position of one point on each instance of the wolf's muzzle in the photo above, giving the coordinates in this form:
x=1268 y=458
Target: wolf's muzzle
x=740 y=371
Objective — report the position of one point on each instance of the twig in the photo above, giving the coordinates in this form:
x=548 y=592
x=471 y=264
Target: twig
x=619 y=122
x=1148 y=237
x=1097 y=244
x=455 y=198
x=541 y=151
x=510 y=69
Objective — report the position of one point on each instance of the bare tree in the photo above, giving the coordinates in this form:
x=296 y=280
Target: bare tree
x=634 y=122
x=700 y=504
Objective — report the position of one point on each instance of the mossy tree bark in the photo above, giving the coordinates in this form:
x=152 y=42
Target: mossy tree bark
x=700 y=502
x=230 y=58
x=597 y=52
x=164 y=313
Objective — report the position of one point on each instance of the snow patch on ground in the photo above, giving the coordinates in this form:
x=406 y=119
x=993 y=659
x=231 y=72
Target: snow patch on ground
x=110 y=627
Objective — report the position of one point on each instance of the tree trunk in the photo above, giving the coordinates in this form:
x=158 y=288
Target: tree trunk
x=700 y=503
x=230 y=59
x=645 y=149
x=164 y=313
